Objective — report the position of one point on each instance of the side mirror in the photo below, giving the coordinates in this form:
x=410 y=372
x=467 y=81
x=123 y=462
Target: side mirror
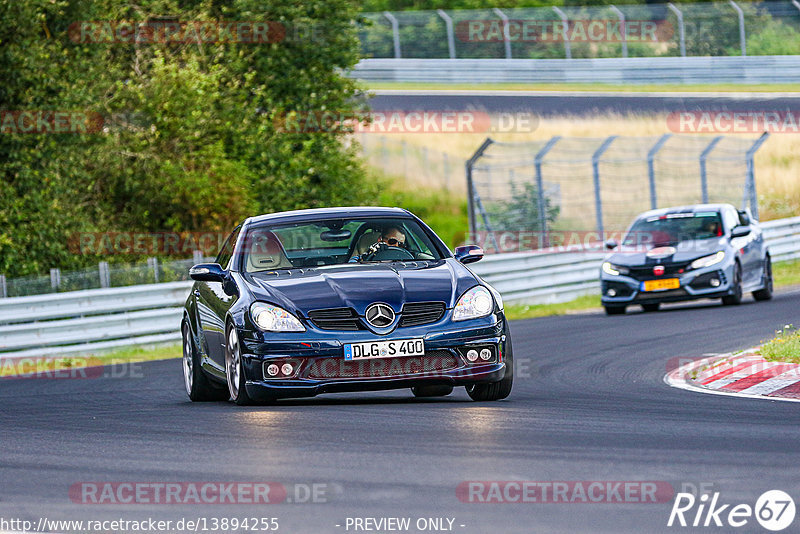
x=744 y=216
x=740 y=231
x=469 y=254
x=611 y=244
x=207 y=272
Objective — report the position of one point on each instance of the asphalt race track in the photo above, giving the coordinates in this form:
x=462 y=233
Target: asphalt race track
x=548 y=104
x=589 y=404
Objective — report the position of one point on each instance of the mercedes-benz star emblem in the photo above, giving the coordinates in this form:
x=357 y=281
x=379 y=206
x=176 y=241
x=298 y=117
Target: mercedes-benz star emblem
x=380 y=315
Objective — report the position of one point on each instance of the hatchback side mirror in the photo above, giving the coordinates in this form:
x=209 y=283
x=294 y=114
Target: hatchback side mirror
x=740 y=231
x=207 y=272
x=468 y=254
x=611 y=244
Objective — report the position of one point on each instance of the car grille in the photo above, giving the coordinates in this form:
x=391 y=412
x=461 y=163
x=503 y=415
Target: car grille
x=336 y=319
x=418 y=313
x=646 y=273
x=655 y=295
x=433 y=362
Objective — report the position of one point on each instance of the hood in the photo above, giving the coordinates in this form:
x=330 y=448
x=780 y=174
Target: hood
x=684 y=252
x=357 y=286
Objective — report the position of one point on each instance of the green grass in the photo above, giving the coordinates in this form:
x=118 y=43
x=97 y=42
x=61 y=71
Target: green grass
x=528 y=311
x=671 y=87
x=784 y=347
x=786 y=273
x=120 y=356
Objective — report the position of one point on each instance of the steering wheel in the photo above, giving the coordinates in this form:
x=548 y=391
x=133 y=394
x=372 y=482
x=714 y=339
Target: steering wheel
x=384 y=252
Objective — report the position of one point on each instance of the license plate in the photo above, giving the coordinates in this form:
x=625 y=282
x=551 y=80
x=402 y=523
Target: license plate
x=384 y=349
x=661 y=285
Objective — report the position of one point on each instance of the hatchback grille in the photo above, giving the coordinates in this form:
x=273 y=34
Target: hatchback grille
x=432 y=363
x=336 y=319
x=646 y=273
x=418 y=313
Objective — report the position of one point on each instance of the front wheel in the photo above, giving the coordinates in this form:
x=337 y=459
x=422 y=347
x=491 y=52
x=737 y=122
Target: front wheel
x=765 y=293
x=234 y=370
x=496 y=390
x=735 y=298
x=197 y=384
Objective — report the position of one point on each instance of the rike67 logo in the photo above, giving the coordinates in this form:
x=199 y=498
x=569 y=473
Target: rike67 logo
x=774 y=510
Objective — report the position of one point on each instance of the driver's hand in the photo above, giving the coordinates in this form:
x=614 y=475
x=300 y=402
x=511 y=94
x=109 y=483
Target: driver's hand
x=373 y=249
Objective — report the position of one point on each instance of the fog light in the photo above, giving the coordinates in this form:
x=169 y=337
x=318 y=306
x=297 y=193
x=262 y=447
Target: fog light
x=287 y=369
x=472 y=355
x=714 y=282
x=272 y=370
x=611 y=292
x=486 y=354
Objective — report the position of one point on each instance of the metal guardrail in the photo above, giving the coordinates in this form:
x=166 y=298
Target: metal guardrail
x=644 y=70
x=94 y=320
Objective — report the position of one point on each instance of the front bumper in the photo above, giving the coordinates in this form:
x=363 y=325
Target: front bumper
x=695 y=284
x=318 y=364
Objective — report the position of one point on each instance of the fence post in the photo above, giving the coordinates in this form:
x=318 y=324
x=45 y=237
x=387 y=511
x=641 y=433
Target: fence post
x=742 y=36
x=651 y=171
x=55 y=279
x=395 y=33
x=3 y=287
x=197 y=256
x=564 y=32
x=471 y=196
x=105 y=275
x=506 y=30
x=681 y=29
x=751 y=176
x=703 y=177
x=152 y=263
x=598 y=202
x=621 y=16
x=537 y=163
x=451 y=41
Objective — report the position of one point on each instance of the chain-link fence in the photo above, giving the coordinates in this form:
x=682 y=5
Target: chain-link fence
x=104 y=275
x=642 y=30
x=600 y=185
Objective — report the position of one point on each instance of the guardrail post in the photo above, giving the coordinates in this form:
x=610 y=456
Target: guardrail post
x=703 y=177
x=598 y=202
x=451 y=41
x=651 y=171
x=197 y=256
x=742 y=36
x=105 y=275
x=506 y=30
x=681 y=28
x=564 y=32
x=395 y=33
x=621 y=16
x=751 y=176
x=537 y=163
x=471 y=194
x=55 y=279
x=152 y=263
x=3 y=287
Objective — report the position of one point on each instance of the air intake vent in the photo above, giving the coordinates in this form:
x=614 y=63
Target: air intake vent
x=417 y=313
x=336 y=319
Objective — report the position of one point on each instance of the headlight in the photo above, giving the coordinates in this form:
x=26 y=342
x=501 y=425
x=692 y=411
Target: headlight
x=274 y=319
x=613 y=270
x=707 y=261
x=476 y=302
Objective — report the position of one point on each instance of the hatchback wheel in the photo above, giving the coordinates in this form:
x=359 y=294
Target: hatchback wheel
x=736 y=297
x=765 y=293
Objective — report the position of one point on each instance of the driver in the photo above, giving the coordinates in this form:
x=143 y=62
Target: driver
x=391 y=236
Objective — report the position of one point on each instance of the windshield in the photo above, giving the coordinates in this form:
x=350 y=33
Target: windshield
x=335 y=242
x=674 y=228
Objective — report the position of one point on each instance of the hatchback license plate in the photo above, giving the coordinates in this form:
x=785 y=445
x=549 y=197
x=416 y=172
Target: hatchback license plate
x=660 y=285
x=384 y=349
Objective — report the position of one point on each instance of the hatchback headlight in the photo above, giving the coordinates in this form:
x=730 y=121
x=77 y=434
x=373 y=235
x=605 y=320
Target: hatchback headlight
x=707 y=261
x=613 y=270
x=274 y=319
x=474 y=303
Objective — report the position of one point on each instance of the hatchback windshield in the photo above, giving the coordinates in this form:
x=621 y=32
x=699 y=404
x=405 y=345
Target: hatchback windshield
x=674 y=228
x=335 y=242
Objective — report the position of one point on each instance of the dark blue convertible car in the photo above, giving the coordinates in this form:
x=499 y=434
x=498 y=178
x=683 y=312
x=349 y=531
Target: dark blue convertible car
x=339 y=300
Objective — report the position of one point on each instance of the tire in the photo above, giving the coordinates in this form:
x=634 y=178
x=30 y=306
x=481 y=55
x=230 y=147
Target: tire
x=496 y=390
x=431 y=391
x=198 y=386
x=234 y=369
x=766 y=292
x=651 y=307
x=736 y=298
x=615 y=310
